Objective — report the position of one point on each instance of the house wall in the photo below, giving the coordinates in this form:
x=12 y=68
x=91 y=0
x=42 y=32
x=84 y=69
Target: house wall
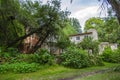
x=103 y=45
x=94 y=35
x=113 y=46
x=74 y=40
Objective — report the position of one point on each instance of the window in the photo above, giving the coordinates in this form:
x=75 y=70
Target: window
x=86 y=36
x=77 y=38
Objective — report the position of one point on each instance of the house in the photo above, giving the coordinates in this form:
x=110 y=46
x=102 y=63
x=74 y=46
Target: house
x=32 y=40
x=50 y=43
x=103 y=45
x=77 y=38
x=29 y=43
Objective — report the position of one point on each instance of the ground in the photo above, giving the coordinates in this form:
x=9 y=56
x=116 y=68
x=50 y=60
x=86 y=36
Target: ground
x=61 y=73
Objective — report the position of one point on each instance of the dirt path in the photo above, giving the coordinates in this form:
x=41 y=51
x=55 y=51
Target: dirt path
x=86 y=74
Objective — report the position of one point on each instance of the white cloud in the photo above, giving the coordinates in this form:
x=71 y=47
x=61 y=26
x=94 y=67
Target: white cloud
x=82 y=10
x=83 y=14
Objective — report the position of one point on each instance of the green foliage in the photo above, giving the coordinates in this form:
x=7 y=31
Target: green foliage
x=76 y=25
x=88 y=44
x=105 y=29
x=74 y=58
x=96 y=60
x=24 y=67
x=6 y=55
x=68 y=29
x=19 y=67
x=94 y=23
x=28 y=58
x=107 y=54
x=63 y=42
x=111 y=56
x=41 y=57
x=44 y=57
x=12 y=56
x=10 y=27
x=117 y=69
x=19 y=18
x=4 y=68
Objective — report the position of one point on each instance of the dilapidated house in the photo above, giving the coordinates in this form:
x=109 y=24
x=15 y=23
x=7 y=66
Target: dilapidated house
x=77 y=38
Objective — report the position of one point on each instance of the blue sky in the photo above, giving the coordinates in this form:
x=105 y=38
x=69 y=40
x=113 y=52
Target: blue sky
x=82 y=9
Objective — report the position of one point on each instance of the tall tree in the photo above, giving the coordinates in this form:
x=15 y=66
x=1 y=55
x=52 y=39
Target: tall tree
x=115 y=6
x=10 y=28
x=17 y=16
x=76 y=25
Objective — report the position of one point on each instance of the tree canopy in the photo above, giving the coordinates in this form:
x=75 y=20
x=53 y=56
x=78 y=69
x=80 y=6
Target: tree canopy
x=20 y=19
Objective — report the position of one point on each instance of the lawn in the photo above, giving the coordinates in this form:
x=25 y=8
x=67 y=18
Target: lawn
x=104 y=76
x=54 y=72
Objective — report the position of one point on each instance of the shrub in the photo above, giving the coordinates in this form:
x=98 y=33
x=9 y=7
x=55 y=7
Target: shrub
x=74 y=58
x=111 y=56
x=43 y=57
x=117 y=69
x=96 y=60
x=107 y=54
x=4 y=68
x=28 y=58
x=115 y=57
x=24 y=67
x=19 y=67
x=7 y=55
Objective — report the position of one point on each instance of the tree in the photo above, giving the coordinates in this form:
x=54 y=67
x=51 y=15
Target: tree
x=115 y=6
x=89 y=44
x=13 y=19
x=76 y=25
x=69 y=29
x=44 y=20
x=107 y=28
x=98 y=24
x=10 y=27
x=94 y=23
x=54 y=20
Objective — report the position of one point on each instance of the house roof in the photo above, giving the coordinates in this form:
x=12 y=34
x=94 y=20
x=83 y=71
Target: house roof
x=81 y=34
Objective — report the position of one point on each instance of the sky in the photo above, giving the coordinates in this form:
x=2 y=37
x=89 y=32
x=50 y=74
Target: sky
x=82 y=9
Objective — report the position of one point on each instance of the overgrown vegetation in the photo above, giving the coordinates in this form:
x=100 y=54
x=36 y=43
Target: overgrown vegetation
x=19 y=67
x=53 y=72
x=20 y=19
x=109 y=55
x=77 y=58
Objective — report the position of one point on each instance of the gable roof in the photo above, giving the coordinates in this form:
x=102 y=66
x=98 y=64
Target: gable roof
x=80 y=34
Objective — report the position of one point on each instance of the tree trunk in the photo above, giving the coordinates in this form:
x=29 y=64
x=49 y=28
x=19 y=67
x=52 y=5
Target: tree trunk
x=41 y=42
x=116 y=7
x=23 y=37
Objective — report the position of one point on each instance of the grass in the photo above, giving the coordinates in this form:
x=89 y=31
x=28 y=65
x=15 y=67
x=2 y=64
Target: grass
x=105 y=76
x=52 y=73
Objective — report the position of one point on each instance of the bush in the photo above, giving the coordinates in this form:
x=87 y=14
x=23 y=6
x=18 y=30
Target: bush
x=74 y=58
x=43 y=57
x=115 y=57
x=4 y=68
x=7 y=55
x=19 y=68
x=117 y=69
x=96 y=60
x=111 y=56
x=28 y=58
